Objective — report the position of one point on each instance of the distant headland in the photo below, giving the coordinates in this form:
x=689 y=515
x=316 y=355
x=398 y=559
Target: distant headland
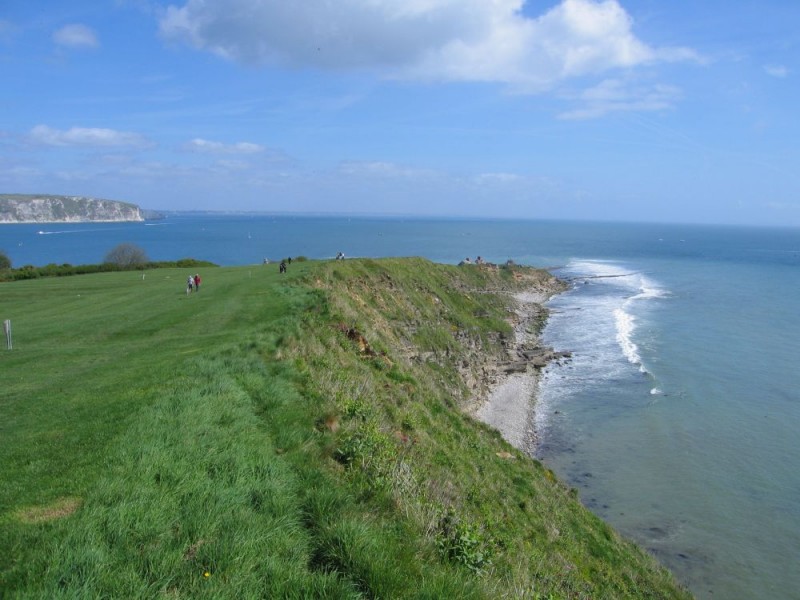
x=45 y=208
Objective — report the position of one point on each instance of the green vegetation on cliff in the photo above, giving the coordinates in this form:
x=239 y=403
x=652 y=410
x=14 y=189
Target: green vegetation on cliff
x=280 y=436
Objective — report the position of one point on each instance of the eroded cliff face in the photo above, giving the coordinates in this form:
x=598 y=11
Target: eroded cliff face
x=24 y=208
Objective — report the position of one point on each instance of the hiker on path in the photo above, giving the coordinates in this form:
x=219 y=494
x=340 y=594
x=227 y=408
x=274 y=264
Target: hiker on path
x=189 y=285
x=197 y=282
x=282 y=267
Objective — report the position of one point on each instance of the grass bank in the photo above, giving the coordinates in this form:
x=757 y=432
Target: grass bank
x=282 y=436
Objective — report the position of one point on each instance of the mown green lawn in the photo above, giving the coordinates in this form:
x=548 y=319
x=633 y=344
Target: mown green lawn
x=90 y=352
x=107 y=379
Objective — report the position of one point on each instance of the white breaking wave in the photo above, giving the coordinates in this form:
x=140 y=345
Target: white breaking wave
x=598 y=269
x=626 y=325
x=626 y=322
x=646 y=293
x=626 y=288
x=613 y=273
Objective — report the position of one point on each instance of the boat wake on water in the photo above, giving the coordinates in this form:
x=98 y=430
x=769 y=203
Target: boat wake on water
x=43 y=232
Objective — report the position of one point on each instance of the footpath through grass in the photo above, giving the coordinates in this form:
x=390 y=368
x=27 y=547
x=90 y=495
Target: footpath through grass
x=278 y=436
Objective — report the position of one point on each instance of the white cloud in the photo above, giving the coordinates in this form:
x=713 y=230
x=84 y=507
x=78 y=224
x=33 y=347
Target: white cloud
x=439 y=40
x=783 y=206
x=778 y=71
x=14 y=172
x=86 y=136
x=497 y=178
x=383 y=170
x=76 y=36
x=201 y=145
x=613 y=95
x=233 y=165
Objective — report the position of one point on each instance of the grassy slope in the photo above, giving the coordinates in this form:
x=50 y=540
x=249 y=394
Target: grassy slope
x=238 y=443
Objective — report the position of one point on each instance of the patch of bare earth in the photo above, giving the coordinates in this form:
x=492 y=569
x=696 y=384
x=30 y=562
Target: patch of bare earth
x=58 y=509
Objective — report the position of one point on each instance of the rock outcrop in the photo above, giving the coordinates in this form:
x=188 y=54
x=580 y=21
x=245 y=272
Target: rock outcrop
x=31 y=208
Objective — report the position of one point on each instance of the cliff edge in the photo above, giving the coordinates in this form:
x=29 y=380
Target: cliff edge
x=33 y=208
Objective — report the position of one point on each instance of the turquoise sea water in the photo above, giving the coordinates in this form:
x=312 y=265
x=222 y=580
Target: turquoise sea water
x=678 y=416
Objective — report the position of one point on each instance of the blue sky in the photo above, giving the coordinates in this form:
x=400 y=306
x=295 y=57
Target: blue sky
x=638 y=110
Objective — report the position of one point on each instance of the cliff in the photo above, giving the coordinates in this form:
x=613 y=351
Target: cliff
x=310 y=439
x=32 y=208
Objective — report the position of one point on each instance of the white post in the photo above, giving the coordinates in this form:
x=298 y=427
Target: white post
x=7 y=329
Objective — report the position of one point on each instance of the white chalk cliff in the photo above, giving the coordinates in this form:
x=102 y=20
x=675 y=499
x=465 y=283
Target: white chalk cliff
x=31 y=208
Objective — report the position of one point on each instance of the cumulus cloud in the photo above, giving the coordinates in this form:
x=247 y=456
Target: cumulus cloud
x=439 y=40
x=76 y=36
x=85 y=137
x=201 y=145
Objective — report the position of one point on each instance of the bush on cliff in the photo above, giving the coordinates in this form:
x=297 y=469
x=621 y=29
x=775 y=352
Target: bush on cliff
x=126 y=255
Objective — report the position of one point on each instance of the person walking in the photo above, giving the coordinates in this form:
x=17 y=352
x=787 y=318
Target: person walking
x=189 y=285
x=197 y=282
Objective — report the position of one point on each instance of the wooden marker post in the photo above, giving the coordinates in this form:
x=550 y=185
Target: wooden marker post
x=7 y=329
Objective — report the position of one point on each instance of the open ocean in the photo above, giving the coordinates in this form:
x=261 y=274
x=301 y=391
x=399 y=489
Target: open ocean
x=678 y=417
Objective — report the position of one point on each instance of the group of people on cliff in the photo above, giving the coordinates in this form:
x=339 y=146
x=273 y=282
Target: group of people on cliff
x=468 y=261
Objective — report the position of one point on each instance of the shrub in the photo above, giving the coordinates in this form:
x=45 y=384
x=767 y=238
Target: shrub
x=5 y=262
x=462 y=543
x=369 y=451
x=191 y=262
x=126 y=255
x=355 y=409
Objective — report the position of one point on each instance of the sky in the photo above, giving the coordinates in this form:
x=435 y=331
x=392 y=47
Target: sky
x=629 y=110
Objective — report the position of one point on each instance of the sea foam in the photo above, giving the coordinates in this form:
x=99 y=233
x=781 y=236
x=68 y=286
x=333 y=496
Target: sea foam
x=626 y=324
x=627 y=289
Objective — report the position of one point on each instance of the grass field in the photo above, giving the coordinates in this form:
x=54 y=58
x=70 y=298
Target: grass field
x=278 y=436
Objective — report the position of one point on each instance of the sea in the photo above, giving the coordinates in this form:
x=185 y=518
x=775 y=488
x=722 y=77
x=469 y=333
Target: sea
x=677 y=417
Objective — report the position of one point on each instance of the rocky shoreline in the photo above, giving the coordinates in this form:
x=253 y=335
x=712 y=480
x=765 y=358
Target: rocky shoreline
x=510 y=402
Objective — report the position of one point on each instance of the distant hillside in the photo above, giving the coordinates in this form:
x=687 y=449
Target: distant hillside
x=32 y=208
